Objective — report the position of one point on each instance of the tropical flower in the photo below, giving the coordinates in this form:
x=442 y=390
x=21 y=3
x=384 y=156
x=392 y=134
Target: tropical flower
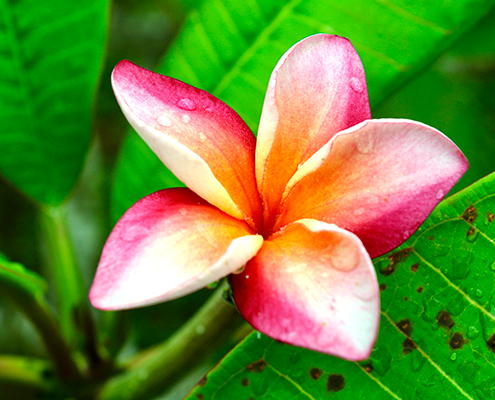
x=295 y=216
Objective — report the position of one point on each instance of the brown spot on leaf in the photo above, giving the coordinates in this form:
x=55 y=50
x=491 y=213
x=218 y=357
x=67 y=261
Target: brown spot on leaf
x=394 y=259
x=490 y=343
x=470 y=214
x=202 y=381
x=382 y=287
x=431 y=237
x=408 y=346
x=414 y=267
x=315 y=373
x=419 y=289
x=490 y=216
x=368 y=368
x=245 y=382
x=456 y=341
x=444 y=319
x=405 y=298
x=405 y=326
x=257 y=366
x=335 y=382
x=471 y=231
x=199 y=396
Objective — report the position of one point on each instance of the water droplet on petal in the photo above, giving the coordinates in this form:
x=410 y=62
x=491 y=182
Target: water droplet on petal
x=356 y=85
x=202 y=136
x=186 y=104
x=439 y=194
x=186 y=119
x=366 y=143
x=164 y=121
x=405 y=235
x=359 y=211
x=344 y=257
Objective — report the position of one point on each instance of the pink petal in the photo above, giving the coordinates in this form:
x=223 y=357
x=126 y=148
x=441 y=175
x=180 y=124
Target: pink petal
x=167 y=245
x=312 y=285
x=379 y=180
x=317 y=89
x=201 y=139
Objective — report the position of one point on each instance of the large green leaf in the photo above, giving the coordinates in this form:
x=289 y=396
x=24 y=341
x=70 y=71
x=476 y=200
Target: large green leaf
x=230 y=48
x=437 y=332
x=50 y=56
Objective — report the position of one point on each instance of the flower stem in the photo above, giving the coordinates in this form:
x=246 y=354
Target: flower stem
x=154 y=371
x=70 y=295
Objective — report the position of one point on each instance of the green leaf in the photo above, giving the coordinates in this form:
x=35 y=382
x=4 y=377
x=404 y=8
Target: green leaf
x=230 y=48
x=50 y=56
x=16 y=280
x=437 y=330
x=459 y=92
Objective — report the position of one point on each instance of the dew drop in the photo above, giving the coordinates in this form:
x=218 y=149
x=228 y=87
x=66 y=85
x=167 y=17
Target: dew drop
x=366 y=143
x=472 y=234
x=186 y=104
x=472 y=332
x=478 y=293
x=405 y=235
x=356 y=85
x=164 y=121
x=200 y=329
x=453 y=356
x=439 y=194
x=359 y=211
x=202 y=136
x=492 y=266
x=186 y=119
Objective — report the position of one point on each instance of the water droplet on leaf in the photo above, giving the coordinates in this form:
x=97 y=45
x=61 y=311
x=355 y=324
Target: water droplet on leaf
x=439 y=194
x=472 y=332
x=186 y=104
x=492 y=266
x=356 y=85
x=479 y=293
x=472 y=234
x=453 y=357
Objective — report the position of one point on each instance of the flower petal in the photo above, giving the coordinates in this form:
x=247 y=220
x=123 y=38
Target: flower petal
x=379 y=180
x=201 y=139
x=167 y=245
x=317 y=89
x=312 y=285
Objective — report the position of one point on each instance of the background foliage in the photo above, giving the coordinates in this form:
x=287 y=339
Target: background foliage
x=429 y=61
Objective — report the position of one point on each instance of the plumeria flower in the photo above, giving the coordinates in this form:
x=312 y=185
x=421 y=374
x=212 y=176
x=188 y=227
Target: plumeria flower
x=295 y=216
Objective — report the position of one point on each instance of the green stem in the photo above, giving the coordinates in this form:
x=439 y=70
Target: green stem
x=151 y=373
x=16 y=286
x=70 y=295
x=25 y=372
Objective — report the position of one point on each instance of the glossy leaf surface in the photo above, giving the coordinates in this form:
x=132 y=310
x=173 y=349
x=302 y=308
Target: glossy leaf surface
x=230 y=50
x=50 y=56
x=437 y=332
